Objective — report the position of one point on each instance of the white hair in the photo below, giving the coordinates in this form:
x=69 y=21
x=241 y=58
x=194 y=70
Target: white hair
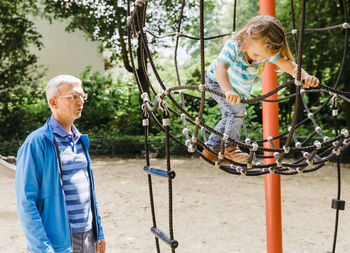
x=54 y=84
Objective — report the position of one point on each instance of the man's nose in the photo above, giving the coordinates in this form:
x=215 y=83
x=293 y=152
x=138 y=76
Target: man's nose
x=81 y=100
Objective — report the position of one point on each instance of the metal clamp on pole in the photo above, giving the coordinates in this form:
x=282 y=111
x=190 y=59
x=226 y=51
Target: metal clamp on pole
x=338 y=204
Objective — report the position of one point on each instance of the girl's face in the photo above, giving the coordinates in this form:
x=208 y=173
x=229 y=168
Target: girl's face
x=256 y=50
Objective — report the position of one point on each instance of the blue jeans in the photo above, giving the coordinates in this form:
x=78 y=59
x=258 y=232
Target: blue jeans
x=231 y=121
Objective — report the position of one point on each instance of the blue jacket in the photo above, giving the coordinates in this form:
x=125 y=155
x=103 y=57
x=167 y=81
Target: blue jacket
x=41 y=202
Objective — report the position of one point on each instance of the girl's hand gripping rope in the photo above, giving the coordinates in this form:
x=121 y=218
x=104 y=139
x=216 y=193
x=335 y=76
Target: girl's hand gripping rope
x=306 y=79
x=232 y=97
x=310 y=81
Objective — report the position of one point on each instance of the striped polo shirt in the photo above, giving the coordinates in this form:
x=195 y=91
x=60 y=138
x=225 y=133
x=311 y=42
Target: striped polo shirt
x=75 y=176
x=241 y=74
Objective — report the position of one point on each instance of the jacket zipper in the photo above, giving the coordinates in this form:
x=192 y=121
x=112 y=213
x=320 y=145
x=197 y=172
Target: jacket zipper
x=64 y=195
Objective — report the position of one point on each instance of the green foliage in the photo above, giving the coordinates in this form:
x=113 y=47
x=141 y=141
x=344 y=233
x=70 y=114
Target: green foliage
x=117 y=145
x=131 y=145
x=18 y=76
x=322 y=50
x=322 y=54
x=10 y=147
x=253 y=122
x=112 y=107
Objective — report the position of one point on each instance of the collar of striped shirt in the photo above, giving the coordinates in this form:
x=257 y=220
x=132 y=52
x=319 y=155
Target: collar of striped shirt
x=59 y=130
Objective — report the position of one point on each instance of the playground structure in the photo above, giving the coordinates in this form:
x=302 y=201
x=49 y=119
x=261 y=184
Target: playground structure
x=311 y=157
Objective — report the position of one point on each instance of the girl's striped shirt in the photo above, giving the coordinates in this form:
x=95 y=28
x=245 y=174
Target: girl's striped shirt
x=241 y=74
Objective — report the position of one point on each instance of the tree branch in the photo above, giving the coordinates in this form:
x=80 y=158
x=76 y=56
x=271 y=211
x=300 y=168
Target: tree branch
x=124 y=51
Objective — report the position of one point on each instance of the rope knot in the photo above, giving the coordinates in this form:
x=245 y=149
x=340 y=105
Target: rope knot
x=185 y=131
x=201 y=87
x=346 y=25
x=345 y=133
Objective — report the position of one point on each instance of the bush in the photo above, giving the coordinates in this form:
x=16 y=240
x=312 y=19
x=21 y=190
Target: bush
x=10 y=147
x=112 y=107
x=132 y=146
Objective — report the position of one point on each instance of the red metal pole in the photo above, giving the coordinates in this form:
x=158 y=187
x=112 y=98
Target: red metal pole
x=271 y=128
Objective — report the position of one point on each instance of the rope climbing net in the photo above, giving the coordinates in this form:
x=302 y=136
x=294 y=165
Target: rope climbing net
x=312 y=152
x=312 y=156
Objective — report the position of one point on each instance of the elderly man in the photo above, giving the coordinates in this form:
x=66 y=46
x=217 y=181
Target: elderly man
x=55 y=190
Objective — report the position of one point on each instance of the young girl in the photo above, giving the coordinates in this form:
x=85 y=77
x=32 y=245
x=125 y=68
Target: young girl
x=236 y=69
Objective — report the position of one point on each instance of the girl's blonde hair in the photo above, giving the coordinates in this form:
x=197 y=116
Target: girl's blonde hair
x=270 y=30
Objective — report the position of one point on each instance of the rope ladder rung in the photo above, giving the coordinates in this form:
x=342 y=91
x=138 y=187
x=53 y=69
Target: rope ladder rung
x=165 y=238
x=159 y=172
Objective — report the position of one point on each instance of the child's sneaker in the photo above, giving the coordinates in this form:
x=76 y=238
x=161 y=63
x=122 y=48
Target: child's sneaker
x=212 y=157
x=209 y=155
x=235 y=154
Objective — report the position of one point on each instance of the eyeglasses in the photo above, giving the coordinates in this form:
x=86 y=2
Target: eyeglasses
x=75 y=97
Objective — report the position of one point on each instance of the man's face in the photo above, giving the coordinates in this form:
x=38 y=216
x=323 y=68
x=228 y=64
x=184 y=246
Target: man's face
x=69 y=101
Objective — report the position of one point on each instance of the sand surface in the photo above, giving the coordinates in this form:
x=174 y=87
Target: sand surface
x=214 y=212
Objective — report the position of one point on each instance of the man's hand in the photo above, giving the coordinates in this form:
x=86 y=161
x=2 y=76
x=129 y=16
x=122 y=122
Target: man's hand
x=232 y=97
x=101 y=246
x=310 y=81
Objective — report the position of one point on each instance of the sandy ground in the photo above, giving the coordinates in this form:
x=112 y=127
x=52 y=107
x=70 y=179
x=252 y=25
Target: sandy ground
x=214 y=212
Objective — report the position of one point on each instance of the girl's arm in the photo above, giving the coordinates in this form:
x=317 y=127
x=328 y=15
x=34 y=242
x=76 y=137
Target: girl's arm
x=224 y=83
x=291 y=68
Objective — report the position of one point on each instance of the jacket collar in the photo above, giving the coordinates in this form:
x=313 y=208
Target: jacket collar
x=48 y=130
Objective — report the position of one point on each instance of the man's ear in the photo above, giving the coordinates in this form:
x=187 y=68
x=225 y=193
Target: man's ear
x=53 y=103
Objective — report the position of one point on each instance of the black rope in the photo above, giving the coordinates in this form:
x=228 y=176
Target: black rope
x=295 y=39
x=201 y=107
x=299 y=61
x=150 y=187
x=130 y=53
x=176 y=66
x=218 y=36
x=177 y=42
x=234 y=15
x=337 y=132
x=339 y=185
x=170 y=184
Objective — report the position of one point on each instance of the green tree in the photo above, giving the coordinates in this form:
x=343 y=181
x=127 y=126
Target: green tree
x=18 y=76
x=106 y=21
x=112 y=107
x=322 y=51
